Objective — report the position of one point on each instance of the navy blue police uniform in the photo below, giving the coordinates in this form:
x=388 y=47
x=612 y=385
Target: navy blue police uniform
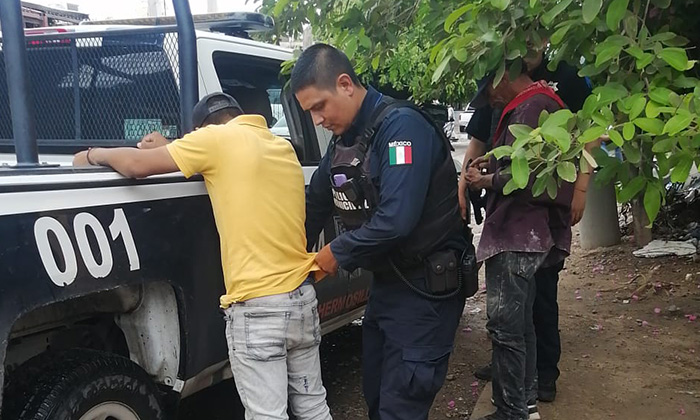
x=412 y=214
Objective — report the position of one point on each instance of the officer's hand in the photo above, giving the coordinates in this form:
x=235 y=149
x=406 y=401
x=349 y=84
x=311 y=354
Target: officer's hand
x=152 y=141
x=326 y=260
x=578 y=205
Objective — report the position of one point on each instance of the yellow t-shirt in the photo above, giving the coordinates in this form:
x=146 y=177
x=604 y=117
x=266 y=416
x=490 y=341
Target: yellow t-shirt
x=256 y=187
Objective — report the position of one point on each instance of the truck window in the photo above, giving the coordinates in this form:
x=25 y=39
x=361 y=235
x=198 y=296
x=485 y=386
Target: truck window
x=256 y=84
x=103 y=90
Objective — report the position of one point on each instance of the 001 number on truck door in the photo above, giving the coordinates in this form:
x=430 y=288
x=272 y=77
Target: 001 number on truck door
x=82 y=222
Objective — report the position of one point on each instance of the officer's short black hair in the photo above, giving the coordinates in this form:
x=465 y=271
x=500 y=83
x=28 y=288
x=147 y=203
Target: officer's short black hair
x=319 y=66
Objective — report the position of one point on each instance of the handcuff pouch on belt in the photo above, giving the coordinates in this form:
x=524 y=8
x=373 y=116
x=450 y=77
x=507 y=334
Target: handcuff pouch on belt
x=447 y=271
x=442 y=272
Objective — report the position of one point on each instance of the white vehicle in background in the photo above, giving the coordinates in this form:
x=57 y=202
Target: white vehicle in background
x=464 y=118
x=280 y=128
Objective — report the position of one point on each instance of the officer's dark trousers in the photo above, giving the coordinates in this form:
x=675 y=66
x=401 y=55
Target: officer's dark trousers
x=510 y=295
x=407 y=341
x=545 y=314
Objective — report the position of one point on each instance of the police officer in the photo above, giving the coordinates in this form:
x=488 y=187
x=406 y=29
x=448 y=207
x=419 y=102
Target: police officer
x=389 y=175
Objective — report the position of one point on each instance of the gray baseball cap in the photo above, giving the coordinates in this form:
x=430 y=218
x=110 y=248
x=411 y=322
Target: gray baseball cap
x=210 y=104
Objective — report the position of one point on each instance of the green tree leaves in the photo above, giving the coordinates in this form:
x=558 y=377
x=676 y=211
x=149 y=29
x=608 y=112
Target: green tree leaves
x=567 y=171
x=652 y=201
x=631 y=190
x=676 y=58
x=650 y=125
x=500 y=4
x=591 y=8
x=616 y=12
x=555 y=10
x=677 y=124
x=647 y=95
x=520 y=169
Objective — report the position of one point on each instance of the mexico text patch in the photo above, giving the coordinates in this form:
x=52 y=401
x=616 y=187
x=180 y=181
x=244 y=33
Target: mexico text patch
x=400 y=153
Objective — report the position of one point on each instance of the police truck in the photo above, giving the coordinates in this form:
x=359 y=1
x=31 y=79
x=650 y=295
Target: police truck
x=109 y=286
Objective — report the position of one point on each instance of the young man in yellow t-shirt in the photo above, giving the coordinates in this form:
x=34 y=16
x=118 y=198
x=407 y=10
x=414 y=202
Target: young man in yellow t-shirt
x=256 y=187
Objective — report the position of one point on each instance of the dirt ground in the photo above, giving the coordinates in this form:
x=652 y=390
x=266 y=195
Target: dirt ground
x=621 y=359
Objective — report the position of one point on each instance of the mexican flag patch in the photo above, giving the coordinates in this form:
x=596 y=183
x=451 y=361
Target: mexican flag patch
x=400 y=153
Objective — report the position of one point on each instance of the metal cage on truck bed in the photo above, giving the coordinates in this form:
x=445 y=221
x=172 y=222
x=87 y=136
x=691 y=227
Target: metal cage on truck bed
x=51 y=83
x=99 y=89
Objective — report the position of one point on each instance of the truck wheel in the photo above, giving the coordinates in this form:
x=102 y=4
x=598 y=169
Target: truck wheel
x=91 y=385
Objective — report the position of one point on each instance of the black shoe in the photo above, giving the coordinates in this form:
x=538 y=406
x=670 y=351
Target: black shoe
x=483 y=373
x=546 y=392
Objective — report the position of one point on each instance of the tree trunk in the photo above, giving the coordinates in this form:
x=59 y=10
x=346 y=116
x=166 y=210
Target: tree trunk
x=640 y=221
x=600 y=225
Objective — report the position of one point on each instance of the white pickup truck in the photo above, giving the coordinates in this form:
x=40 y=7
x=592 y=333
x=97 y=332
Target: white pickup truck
x=109 y=286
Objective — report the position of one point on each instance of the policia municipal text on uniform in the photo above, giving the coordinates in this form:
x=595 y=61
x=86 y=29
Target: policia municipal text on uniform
x=388 y=174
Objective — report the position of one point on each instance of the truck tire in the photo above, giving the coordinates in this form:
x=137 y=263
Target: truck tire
x=92 y=385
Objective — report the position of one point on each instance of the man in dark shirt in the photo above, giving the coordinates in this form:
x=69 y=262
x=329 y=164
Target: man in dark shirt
x=573 y=90
x=521 y=233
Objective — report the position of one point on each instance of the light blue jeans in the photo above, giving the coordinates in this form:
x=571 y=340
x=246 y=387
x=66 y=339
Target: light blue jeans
x=273 y=346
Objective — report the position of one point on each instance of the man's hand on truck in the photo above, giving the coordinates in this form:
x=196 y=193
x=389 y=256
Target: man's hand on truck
x=152 y=140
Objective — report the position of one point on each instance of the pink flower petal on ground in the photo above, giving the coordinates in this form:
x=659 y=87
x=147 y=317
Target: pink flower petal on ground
x=475 y=389
x=598 y=295
x=645 y=324
x=681 y=411
x=658 y=286
x=635 y=297
x=467 y=330
x=577 y=292
x=579 y=297
x=451 y=404
x=657 y=310
x=691 y=317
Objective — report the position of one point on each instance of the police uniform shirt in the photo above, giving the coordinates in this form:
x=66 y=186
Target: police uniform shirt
x=404 y=153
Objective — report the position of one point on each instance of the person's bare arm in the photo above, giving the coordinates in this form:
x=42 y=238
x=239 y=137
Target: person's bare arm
x=475 y=149
x=130 y=162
